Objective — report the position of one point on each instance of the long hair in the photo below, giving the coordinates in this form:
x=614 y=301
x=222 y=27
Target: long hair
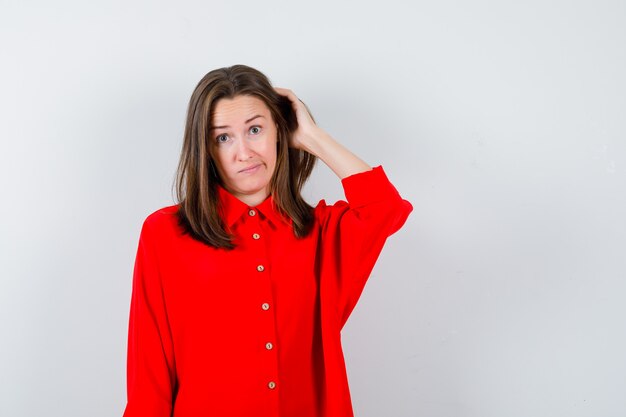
x=199 y=212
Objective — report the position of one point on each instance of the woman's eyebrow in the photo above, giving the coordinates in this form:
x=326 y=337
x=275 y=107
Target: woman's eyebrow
x=247 y=121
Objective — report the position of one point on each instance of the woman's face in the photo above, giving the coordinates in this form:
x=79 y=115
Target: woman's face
x=244 y=147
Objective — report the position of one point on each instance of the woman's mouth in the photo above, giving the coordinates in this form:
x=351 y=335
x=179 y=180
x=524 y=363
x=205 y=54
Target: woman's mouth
x=251 y=169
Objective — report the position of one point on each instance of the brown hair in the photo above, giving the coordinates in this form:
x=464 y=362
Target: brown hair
x=199 y=213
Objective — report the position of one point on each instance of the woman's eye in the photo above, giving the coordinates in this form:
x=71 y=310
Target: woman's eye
x=221 y=139
x=255 y=130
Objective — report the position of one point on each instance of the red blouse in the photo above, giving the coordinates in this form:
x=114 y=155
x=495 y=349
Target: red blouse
x=254 y=331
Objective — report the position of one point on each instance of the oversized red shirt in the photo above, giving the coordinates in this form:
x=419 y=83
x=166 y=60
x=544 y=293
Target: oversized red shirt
x=255 y=331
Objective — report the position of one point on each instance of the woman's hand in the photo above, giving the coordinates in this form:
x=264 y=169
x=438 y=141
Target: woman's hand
x=312 y=139
x=307 y=132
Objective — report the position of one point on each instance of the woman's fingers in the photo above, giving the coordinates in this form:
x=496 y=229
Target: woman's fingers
x=286 y=92
x=299 y=107
x=307 y=130
x=290 y=95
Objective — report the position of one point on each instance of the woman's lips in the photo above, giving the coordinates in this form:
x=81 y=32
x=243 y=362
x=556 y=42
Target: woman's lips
x=250 y=169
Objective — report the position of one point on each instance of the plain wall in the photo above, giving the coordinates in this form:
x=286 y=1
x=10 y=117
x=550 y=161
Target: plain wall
x=502 y=122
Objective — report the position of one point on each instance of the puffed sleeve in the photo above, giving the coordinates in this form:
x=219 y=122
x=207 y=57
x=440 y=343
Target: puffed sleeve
x=354 y=232
x=150 y=367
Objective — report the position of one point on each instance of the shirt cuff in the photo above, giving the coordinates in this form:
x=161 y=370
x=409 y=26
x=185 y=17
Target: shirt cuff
x=368 y=187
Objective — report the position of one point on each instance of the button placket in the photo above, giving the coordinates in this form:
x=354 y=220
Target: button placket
x=267 y=332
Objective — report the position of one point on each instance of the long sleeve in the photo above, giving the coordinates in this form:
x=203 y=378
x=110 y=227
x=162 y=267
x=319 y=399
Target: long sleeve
x=355 y=231
x=151 y=374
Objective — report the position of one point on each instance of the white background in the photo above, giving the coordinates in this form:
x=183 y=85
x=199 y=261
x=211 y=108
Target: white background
x=502 y=122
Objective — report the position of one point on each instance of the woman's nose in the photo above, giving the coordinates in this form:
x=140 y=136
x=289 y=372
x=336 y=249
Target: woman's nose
x=243 y=150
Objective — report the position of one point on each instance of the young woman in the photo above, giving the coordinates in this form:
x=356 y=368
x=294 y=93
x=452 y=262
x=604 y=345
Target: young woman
x=241 y=290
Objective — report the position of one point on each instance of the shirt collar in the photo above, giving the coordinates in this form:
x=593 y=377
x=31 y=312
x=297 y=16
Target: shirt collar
x=233 y=208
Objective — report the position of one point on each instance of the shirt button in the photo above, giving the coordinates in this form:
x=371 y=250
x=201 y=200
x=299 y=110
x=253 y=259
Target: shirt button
x=271 y=385
x=256 y=236
x=252 y=213
x=269 y=346
x=260 y=268
x=265 y=306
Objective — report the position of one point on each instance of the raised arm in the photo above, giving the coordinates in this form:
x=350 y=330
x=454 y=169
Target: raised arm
x=316 y=141
x=354 y=231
